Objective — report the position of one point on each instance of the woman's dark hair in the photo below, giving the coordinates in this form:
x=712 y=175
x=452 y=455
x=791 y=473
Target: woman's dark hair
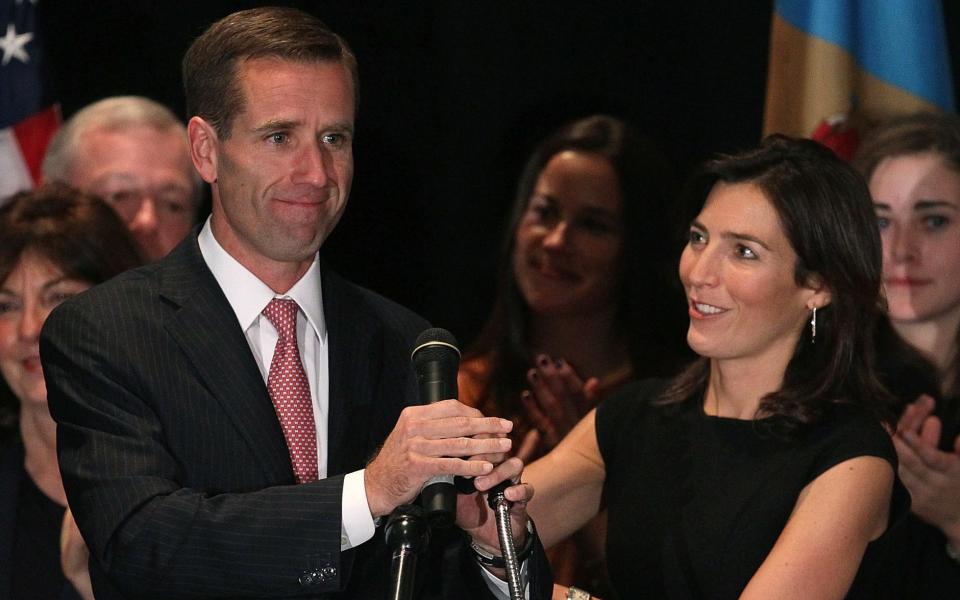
x=79 y=234
x=826 y=213
x=648 y=305
x=902 y=368
x=914 y=133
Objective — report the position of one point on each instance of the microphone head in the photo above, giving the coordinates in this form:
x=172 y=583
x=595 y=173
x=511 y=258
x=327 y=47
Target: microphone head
x=435 y=345
x=435 y=359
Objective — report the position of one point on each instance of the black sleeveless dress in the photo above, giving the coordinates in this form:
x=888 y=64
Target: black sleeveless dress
x=697 y=502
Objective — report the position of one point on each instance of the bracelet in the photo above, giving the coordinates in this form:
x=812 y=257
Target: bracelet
x=952 y=552
x=574 y=593
x=486 y=558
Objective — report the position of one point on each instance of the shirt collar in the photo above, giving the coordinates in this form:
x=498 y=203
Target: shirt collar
x=248 y=295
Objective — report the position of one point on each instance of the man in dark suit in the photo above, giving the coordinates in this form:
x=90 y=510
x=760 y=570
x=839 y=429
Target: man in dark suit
x=216 y=409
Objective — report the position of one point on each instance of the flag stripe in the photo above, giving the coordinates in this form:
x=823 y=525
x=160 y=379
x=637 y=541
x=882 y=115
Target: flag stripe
x=14 y=175
x=811 y=79
x=901 y=42
x=33 y=135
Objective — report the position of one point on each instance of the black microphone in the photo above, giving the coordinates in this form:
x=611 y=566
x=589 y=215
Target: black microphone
x=436 y=359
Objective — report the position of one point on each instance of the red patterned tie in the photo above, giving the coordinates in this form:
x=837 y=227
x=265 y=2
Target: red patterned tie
x=290 y=391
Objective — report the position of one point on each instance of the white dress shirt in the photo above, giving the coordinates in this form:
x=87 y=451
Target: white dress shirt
x=248 y=296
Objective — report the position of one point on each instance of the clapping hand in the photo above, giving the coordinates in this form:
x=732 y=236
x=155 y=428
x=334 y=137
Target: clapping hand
x=931 y=475
x=556 y=401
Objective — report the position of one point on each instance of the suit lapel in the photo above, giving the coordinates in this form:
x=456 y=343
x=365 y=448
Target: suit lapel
x=350 y=333
x=205 y=327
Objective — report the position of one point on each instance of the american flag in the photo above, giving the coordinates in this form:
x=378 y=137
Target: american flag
x=28 y=116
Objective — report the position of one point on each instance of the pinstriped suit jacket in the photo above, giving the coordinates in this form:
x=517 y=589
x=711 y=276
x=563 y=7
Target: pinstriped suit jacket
x=172 y=456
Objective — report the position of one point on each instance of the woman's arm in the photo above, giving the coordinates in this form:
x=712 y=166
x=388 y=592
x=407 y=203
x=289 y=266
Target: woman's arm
x=819 y=551
x=568 y=481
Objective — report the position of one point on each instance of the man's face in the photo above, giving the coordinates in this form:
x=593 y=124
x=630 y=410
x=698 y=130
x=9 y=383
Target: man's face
x=281 y=180
x=146 y=175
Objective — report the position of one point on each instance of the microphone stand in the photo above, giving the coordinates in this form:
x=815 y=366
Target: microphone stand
x=501 y=508
x=407 y=534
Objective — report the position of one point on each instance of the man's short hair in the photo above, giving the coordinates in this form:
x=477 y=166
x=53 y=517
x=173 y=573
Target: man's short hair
x=116 y=113
x=210 y=64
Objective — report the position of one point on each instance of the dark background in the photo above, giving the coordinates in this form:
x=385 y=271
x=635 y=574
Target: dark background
x=453 y=96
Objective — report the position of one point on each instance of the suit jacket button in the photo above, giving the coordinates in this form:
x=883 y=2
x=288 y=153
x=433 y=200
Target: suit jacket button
x=307 y=578
x=326 y=573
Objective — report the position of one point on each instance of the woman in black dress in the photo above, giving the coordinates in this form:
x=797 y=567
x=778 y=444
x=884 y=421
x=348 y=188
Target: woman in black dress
x=763 y=470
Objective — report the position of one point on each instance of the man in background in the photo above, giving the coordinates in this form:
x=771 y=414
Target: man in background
x=133 y=153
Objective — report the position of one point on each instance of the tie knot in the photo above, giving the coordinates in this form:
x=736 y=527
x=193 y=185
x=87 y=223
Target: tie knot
x=282 y=313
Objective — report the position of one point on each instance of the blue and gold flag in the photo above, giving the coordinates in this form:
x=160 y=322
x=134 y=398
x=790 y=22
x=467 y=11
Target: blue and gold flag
x=867 y=58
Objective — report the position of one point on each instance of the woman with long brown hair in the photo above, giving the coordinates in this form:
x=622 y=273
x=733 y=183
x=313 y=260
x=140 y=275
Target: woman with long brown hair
x=912 y=164
x=763 y=470
x=584 y=267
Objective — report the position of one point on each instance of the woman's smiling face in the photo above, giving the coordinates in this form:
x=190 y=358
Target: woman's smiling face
x=33 y=289
x=568 y=246
x=738 y=272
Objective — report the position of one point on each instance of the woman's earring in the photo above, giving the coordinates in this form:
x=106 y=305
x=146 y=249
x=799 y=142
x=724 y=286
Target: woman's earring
x=813 y=326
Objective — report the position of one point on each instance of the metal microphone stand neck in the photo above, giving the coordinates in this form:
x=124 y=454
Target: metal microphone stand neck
x=501 y=509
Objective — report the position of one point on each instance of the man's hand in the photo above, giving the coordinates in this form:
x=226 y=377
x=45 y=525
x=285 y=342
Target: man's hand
x=931 y=476
x=444 y=438
x=476 y=517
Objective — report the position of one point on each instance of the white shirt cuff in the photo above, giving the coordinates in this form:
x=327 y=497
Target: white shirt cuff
x=356 y=521
x=501 y=589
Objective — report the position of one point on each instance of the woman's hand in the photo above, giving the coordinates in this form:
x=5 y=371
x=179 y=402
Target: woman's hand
x=558 y=398
x=931 y=475
x=75 y=557
x=560 y=593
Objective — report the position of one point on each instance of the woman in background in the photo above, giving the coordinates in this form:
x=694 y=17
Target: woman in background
x=762 y=470
x=56 y=242
x=583 y=283
x=912 y=164
x=584 y=302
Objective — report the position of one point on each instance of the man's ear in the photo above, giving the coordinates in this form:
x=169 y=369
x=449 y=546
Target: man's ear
x=821 y=295
x=204 y=145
